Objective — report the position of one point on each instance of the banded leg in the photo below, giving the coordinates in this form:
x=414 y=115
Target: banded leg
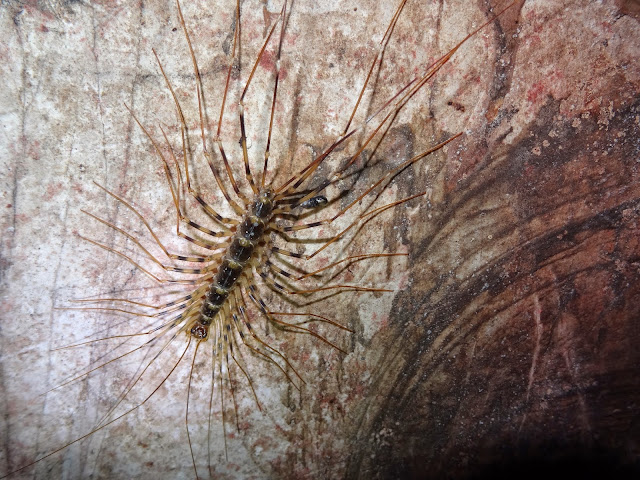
x=169 y=268
x=309 y=169
x=183 y=303
x=365 y=218
x=243 y=137
x=222 y=221
x=201 y=109
x=173 y=256
x=254 y=295
x=241 y=307
x=101 y=426
x=405 y=94
x=295 y=291
x=386 y=177
x=275 y=95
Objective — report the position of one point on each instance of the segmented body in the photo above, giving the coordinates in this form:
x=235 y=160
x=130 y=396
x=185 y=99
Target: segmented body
x=242 y=248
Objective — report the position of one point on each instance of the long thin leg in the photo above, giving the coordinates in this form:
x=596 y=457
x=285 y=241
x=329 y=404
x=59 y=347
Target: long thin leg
x=229 y=338
x=155 y=237
x=295 y=291
x=381 y=47
x=307 y=171
x=133 y=383
x=131 y=302
x=256 y=350
x=313 y=318
x=387 y=176
x=234 y=205
x=169 y=268
x=223 y=221
x=206 y=245
x=100 y=427
x=130 y=312
x=246 y=375
x=273 y=100
x=415 y=85
x=241 y=307
x=243 y=137
x=365 y=217
x=352 y=259
x=262 y=306
x=236 y=41
x=138 y=266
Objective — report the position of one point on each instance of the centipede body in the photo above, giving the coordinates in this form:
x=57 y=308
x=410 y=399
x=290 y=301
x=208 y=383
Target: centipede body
x=136 y=174
x=140 y=170
x=142 y=173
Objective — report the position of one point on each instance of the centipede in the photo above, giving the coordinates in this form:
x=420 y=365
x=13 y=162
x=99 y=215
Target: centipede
x=233 y=252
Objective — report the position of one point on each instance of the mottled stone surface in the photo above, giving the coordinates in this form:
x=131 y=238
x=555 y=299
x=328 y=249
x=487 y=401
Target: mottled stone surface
x=512 y=333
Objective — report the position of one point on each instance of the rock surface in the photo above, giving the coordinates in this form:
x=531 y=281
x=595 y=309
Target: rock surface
x=512 y=333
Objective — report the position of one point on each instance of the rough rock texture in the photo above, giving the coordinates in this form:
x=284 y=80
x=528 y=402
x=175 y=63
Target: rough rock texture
x=510 y=340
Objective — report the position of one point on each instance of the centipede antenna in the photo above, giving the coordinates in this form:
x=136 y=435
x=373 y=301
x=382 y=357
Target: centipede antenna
x=340 y=288
x=210 y=416
x=186 y=413
x=217 y=140
x=75 y=379
x=100 y=427
x=224 y=423
x=132 y=383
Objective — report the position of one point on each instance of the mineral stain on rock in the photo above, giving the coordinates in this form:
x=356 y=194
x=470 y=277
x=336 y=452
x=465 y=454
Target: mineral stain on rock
x=514 y=349
x=516 y=335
